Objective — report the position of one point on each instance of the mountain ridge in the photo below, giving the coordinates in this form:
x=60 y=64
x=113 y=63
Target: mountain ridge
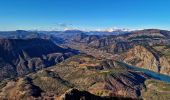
x=24 y=56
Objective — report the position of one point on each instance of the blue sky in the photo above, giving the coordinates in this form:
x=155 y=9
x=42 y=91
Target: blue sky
x=84 y=14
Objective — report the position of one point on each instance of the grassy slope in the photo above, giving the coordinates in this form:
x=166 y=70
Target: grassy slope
x=156 y=90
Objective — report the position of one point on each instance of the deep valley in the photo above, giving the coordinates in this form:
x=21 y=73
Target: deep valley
x=79 y=65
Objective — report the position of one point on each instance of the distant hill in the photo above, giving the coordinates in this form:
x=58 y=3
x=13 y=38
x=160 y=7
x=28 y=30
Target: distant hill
x=22 y=34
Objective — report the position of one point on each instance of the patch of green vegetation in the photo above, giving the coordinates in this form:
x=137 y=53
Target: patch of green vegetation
x=161 y=86
x=150 y=81
x=121 y=65
x=116 y=71
x=163 y=50
x=155 y=52
x=50 y=85
x=154 y=95
x=102 y=93
x=156 y=90
x=167 y=53
x=49 y=81
x=2 y=84
x=134 y=61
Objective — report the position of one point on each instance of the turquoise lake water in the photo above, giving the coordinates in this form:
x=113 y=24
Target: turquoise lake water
x=154 y=75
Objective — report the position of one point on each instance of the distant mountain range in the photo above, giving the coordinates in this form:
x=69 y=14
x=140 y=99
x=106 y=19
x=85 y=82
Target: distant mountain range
x=152 y=43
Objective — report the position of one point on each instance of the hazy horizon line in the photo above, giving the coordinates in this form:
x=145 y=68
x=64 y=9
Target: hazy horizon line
x=98 y=29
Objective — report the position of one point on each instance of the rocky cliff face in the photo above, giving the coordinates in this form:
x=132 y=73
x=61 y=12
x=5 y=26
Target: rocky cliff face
x=141 y=57
x=19 y=57
x=165 y=65
x=145 y=58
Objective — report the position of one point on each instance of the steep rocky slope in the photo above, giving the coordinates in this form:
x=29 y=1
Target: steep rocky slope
x=104 y=78
x=148 y=58
x=19 y=57
x=140 y=56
